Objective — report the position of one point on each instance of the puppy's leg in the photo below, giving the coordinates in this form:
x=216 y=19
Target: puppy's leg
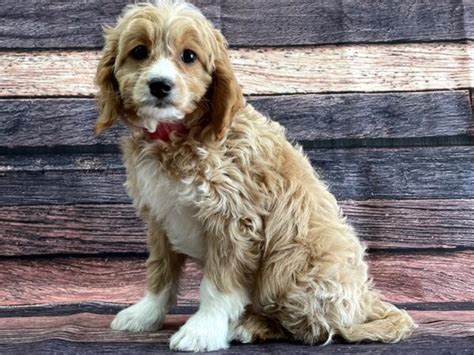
x=223 y=299
x=208 y=329
x=163 y=269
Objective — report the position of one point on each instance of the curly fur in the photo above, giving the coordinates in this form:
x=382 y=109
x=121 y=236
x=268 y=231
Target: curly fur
x=273 y=239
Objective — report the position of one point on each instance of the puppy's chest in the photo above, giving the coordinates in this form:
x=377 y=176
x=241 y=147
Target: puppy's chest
x=171 y=203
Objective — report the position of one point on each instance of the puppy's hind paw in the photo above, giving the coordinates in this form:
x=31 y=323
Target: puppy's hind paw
x=240 y=334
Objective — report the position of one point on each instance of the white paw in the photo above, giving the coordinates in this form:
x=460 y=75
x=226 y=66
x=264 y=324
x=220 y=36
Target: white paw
x=201 y=333
x=143 y=316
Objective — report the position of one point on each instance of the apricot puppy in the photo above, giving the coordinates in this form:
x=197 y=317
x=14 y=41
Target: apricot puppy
x=217 y=181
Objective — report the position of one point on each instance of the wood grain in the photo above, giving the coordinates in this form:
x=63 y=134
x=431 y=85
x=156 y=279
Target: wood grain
x=79 y=229
x=84 y=327
x=297 y=22
x=64 y=280
x=359 y=174
x=92 y=328
x=414 y=346
x=99 y=229
x=355 y=116
x=398 y=173
x=412 y=223
x=50 y=122
x=66 y=24
x=407 y=279
x=349 y=68
x=434 y=278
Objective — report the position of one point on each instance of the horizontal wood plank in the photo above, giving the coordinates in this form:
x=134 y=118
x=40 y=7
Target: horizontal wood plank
x=412 y=223
x=423 y=277
x=419 y=346
x=93 y=328
x=68 y=24
x=50 y=122
x=350 y=68
x=355 y=116
x=359 y=174
x=79 y=229
x=99 y=229
x=84 y=327
x=405 y=173
x=297 y=22
x=407 y=279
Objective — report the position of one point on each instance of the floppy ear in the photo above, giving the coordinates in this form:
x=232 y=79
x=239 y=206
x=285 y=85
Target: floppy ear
x=108 y=97
x=226 y=96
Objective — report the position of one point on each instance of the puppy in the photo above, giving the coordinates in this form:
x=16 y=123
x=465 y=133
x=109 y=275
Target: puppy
x=217 y=181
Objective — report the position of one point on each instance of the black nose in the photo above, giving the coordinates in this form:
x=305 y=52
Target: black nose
x=160 y=88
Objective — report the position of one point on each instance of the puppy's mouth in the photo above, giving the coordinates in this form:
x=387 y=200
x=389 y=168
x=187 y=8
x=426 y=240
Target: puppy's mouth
x=162 y=104
x=152 y=115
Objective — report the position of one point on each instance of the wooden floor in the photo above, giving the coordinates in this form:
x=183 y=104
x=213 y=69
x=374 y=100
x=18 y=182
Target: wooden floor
x=445 y=332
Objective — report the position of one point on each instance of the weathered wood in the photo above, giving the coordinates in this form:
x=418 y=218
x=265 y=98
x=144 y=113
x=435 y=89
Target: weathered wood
x=404 y=173
x=77 y=24
x=79 y=229
x=349 y=68
x=389 y=115
x=63 y=280
x=80 y=327
x=414 y=346
x=444 y=324
x=92 y=332
x=297 y=22
x=468 y=6
x=412 y=223
x=67 y=24
x=66 y=309
x=49 y=122
x=360 y=174
x=423 y=276
x=98 y=229
x=407 y=279
x=92 y=328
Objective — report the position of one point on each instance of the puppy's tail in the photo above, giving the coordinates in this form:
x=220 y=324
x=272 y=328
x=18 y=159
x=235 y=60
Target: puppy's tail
x=385 y=323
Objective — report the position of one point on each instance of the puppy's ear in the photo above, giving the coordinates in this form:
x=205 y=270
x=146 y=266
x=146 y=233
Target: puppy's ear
x=226 y=96
x=108 y=96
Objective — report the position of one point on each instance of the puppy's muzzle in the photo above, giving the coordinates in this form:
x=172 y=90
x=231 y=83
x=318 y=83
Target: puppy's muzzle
x=160 y=87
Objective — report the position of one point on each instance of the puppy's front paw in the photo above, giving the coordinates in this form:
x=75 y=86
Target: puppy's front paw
x=200 y=333
x=145 y=315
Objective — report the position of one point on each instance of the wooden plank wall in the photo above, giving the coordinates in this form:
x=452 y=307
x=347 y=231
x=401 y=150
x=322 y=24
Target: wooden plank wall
x=378 y=94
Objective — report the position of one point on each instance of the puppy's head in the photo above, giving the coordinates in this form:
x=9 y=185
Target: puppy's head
x=166 y=62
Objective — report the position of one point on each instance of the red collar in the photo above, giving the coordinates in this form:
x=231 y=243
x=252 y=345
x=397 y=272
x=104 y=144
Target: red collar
x=164 y=130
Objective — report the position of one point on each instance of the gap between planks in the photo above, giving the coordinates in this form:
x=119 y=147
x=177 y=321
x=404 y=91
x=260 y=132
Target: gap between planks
x=347 y=68
x=65 y=309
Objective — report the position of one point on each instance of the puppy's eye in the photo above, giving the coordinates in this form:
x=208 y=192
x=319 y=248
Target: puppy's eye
x=188 y=56
x=139 y=52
